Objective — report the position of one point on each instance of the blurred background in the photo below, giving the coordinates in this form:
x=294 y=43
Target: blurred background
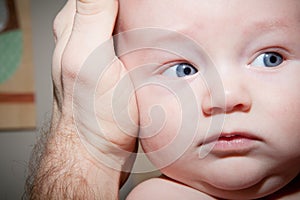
x=16 y=145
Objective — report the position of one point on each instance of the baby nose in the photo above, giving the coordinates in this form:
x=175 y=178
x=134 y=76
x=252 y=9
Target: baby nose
x=230 y=96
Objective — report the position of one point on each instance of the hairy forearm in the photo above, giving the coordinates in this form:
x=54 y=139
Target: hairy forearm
x=65 y=170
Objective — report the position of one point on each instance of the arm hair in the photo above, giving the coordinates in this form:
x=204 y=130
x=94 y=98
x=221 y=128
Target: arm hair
x=58 y=171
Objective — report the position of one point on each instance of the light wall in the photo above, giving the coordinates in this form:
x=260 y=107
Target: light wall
x=15 y=146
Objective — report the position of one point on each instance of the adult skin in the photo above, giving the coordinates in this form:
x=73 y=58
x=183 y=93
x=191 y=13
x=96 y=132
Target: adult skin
x=67 y=169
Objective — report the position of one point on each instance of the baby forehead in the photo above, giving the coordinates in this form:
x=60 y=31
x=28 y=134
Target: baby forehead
x=174 y=14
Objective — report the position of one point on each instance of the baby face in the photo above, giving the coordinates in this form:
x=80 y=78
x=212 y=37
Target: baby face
x=219 y=97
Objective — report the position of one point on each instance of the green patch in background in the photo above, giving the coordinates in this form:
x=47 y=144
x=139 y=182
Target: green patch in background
x=11 y=44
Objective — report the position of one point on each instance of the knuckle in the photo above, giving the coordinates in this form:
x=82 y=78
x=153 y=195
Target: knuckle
x=56 y=26
x=68 y=73
x=69 y=67
x=64 y=19
x=90 y=7
x=72 y=73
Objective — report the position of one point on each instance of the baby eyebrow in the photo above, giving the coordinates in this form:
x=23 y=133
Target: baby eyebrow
x=266 y=26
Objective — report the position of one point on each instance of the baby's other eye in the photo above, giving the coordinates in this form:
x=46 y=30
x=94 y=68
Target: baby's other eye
x=268 y=59
x=180 y=70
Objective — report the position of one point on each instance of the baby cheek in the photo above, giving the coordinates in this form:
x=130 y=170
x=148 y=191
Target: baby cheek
x=165 y=147
x=282 y=114
x=160 y=130
x=160 y=117
x=288 y=115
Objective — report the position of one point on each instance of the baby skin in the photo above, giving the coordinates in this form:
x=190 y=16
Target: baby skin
x=225 y=75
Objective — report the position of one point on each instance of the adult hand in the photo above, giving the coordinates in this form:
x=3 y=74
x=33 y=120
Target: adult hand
x=89 y=145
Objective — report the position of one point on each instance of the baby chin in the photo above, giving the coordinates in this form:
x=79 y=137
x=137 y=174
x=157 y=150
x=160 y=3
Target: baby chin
x=239 y=179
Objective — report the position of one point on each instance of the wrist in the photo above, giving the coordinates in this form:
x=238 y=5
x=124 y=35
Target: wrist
x=68 y=169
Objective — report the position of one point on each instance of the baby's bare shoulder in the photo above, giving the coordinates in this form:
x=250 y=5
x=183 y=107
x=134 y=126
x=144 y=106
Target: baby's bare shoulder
x=159 y=188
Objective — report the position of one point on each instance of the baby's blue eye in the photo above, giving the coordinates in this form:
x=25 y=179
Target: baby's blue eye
x=269 y=59
x=180 y=70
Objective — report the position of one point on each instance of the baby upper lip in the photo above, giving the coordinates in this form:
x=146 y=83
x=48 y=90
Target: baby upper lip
x=237 y=134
